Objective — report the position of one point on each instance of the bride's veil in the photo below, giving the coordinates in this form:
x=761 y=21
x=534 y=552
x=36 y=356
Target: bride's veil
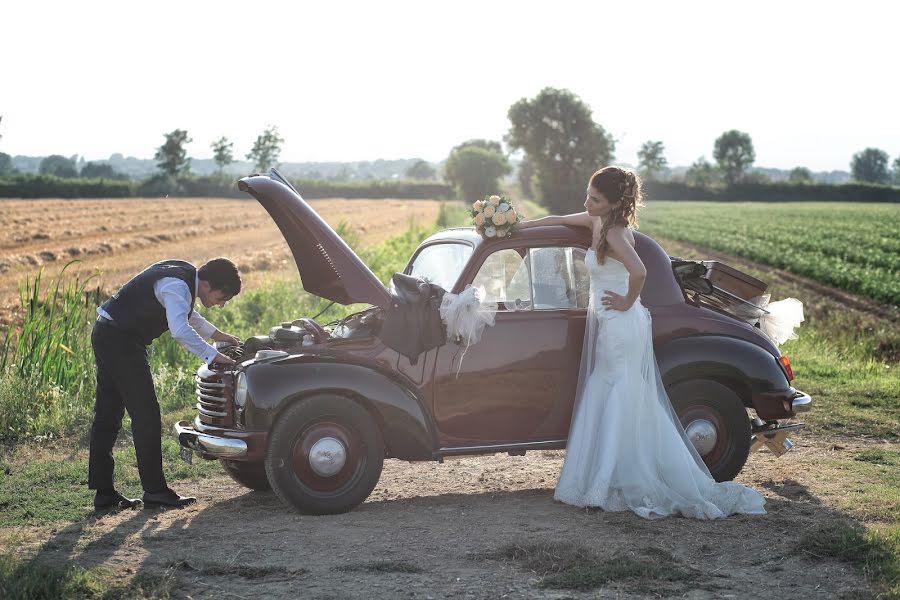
x=643 y=373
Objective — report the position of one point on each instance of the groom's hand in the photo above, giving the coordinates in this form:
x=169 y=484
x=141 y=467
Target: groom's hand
x=613 y=301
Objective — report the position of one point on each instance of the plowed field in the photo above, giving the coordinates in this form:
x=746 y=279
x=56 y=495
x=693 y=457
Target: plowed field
x=118 y=237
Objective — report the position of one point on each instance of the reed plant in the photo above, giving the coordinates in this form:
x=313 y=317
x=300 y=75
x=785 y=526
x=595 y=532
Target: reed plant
x=46 y=366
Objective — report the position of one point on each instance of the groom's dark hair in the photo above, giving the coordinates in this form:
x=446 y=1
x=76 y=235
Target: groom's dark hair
x=222 y=275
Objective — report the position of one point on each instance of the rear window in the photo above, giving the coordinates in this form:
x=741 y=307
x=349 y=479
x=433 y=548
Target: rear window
x=441 y=264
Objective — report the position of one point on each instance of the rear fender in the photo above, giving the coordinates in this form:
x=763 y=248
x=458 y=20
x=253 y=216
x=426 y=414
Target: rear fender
x=752 y=372
x=405 y=425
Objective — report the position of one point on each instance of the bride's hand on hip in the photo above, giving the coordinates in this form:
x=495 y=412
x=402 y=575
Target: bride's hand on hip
x=613 y=301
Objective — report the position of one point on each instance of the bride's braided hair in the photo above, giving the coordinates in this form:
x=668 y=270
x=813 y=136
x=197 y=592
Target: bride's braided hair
x=622 y=188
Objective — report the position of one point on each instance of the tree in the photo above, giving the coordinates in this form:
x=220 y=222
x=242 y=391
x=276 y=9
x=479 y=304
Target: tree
x=526 y=177
x=222 y=152
x=491 y=145
x=800 y=175
x=474 y=171
x=870 y=166
x=702 y=173
x=734 y=153
x=100 y=171
x=171 y=157
x=558 y=134
x=421 y=170
x=266 y=149
x=896 y=171
x=6 y=166
x=651 y=162
x=57 y=165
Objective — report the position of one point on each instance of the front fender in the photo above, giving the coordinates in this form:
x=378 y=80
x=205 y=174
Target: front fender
x=405 y=424
x=752 y=372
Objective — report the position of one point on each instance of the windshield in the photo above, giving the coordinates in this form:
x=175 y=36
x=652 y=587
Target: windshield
x=441 y=264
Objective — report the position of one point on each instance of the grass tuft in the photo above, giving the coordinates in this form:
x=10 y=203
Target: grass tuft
x=879 y=456
x=876 y=552
x=243 y=571
x=564 y=565
x=29 y=580
x=381 y=566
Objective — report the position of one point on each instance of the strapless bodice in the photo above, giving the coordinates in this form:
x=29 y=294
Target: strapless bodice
x=612 y=273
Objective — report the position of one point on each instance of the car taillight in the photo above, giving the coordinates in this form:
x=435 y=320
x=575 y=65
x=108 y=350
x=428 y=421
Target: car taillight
x=786 y=363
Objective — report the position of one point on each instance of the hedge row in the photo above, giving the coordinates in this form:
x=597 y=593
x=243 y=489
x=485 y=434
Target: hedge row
x=774 y=192
x=45 y=186
x=48 y=186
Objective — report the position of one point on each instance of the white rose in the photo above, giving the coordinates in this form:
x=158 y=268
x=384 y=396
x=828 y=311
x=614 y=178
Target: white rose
x=490 y=231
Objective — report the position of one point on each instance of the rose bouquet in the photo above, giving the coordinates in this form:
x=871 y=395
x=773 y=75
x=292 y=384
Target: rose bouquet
x=494 y=217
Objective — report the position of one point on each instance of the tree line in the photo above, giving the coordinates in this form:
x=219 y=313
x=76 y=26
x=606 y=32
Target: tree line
x=562 y=145
x=554 y=132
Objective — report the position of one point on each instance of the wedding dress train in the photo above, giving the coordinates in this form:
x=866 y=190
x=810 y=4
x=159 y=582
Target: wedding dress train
x=626 y=449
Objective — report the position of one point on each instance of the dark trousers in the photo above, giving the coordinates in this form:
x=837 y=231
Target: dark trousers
x=124 y=383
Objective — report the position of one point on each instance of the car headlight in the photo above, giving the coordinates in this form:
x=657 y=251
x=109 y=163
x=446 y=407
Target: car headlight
x=240 y=390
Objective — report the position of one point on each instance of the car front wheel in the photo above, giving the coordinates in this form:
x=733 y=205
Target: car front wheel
x=716 y=422
x=325 y=455
x=249 y=474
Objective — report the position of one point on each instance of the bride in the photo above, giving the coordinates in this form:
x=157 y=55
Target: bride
x=626 y=449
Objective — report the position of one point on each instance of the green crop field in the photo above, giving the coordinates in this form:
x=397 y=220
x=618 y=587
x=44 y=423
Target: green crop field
x=851 y=246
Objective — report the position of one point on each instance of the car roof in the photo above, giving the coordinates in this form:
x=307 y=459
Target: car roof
x=564 y=234
x=661 y=288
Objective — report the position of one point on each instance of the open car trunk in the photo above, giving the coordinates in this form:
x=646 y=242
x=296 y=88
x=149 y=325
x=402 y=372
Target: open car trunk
x=723 y=287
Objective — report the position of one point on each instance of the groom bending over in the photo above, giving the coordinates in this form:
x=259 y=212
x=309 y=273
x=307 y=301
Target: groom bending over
x=160 y=298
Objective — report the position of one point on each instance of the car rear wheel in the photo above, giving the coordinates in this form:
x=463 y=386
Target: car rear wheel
x=249 y=474
x=716 y=422
x=325 y=455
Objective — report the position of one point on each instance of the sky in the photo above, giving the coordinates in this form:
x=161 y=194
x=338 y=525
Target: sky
x=811 y=82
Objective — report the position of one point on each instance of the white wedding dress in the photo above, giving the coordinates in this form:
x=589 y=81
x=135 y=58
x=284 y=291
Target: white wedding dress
x=627 y=450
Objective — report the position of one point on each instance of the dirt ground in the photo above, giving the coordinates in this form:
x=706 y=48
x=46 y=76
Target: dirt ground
x=118 y=237
x=424 y=531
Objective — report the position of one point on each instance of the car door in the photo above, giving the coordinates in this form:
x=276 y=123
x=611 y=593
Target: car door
x=517 y=384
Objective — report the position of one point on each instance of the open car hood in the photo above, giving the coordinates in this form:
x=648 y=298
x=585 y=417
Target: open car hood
x=327 y=265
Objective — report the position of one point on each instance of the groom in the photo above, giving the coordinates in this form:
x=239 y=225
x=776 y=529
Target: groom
x=160 y=298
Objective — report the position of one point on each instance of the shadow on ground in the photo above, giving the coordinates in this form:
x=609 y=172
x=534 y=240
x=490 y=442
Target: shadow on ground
x=452 y=545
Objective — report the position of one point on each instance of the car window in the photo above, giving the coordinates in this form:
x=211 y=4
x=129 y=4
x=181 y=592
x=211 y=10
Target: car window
x=441 y=264
x=505 y=279
x=549 y=278
x=559 y=278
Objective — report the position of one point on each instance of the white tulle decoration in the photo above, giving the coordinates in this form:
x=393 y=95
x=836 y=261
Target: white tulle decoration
x=466 y=315
x=784 y=317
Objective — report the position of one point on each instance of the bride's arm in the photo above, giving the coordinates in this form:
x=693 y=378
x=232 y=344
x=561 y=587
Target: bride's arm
x=637 y=272
x=581 y=219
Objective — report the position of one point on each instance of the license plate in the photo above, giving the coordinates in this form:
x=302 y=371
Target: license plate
x=187 y=455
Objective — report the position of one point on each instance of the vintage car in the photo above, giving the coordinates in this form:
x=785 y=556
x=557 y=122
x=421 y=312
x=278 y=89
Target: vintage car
x=312 y=411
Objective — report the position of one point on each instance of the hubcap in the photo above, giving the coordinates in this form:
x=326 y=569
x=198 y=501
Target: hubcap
x=702 y=434
x=327 y=456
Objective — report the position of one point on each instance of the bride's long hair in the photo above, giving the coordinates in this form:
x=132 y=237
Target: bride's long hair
x=622 y=188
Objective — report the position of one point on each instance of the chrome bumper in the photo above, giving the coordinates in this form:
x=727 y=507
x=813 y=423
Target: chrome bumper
x=211 y=445
x=802 y=402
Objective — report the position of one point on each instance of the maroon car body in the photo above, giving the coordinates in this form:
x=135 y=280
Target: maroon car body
x=312 y=411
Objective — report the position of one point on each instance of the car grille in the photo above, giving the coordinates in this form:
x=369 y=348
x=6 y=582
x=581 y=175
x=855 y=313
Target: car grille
x=214 y=392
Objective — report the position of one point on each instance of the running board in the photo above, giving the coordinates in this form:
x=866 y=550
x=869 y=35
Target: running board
x=517 y=449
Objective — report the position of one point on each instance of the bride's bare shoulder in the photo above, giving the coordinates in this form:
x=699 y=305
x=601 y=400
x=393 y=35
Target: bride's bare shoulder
x=622 y=233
